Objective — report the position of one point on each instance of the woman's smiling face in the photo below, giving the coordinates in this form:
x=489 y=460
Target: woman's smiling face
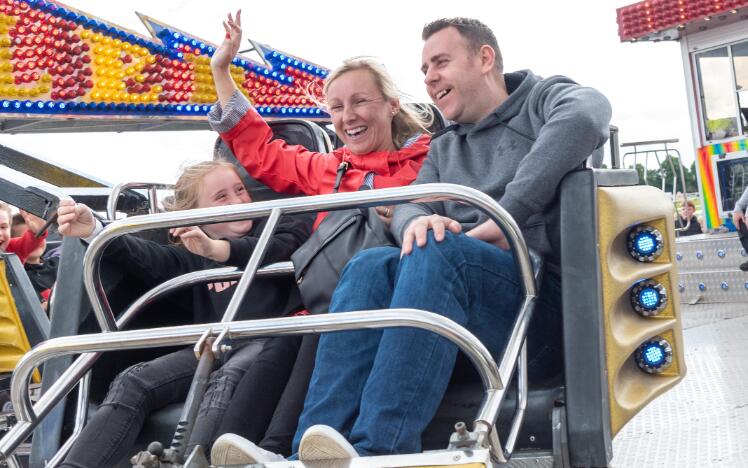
x=362 y=117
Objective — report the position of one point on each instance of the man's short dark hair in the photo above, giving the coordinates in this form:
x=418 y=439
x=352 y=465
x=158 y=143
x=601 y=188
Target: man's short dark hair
x=476 y=33
x=18 y=220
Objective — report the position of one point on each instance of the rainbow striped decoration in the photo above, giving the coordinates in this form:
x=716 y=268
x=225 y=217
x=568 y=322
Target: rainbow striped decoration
x=709 y=179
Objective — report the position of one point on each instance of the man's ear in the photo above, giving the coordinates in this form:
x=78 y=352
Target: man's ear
x=487 y=58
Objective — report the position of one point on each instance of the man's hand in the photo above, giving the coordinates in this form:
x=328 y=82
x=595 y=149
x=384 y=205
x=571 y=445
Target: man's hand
x=228 y=49
x=34 y=223
x=489 y=232
x=75 y=219
x=418 y=229
x=196 y=241
x=738 y=217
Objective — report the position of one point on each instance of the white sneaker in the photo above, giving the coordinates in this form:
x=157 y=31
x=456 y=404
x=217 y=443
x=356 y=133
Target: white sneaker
x=321 y=442
x=231 y=449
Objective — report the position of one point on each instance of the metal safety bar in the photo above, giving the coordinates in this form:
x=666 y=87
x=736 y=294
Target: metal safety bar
x=189 y=334
x=81 y=413
x=636 y=152
x=221 y=214
x=29 y=416
x=152 y=187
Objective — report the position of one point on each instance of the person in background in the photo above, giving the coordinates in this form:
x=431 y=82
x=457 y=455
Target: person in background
x=687 y=212
x=739 y=219
x=18 y=225
x=42 y=273
x=25 y=244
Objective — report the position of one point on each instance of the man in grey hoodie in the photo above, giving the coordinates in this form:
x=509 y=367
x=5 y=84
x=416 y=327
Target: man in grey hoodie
x=514 y=137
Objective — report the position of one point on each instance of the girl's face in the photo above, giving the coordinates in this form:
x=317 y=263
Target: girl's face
x=219 y=187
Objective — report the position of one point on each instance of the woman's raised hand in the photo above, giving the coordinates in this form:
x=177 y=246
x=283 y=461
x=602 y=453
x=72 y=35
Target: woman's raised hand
x=230 y=46
x=75 y=219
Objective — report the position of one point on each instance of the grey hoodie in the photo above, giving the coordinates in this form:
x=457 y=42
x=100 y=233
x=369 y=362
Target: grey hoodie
x=742 y=202
x=517 y=155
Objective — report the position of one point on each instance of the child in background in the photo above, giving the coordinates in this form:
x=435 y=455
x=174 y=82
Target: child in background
x=27 y=243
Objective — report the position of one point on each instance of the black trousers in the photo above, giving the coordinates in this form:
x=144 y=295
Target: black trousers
x=269 y=399
x=108 y=438
x=743 y=234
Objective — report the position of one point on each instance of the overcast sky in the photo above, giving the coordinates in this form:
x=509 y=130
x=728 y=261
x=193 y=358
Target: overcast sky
x=577 y=38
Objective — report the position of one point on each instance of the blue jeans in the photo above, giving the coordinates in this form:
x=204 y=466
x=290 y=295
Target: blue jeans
x=381 y=388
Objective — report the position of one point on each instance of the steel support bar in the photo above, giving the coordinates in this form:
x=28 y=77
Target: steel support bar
x=100 y=304
x=185 y=335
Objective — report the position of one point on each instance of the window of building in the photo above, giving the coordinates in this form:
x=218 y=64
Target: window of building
x=718 y=103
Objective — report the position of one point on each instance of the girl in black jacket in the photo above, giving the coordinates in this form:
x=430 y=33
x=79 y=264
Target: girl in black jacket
x=143 y=388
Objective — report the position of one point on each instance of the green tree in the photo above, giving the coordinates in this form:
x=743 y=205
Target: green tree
x=655 y=175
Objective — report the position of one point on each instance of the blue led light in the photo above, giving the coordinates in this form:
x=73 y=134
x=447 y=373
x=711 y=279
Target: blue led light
x=645 y=243
x=649 y=298
x=654 y=355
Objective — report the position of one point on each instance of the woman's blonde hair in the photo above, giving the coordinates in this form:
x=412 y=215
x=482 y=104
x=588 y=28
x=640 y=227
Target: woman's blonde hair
x=408 y=120
x=188 y=185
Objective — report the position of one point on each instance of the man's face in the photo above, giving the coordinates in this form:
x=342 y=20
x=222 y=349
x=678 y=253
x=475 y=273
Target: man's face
x=452 y=75
x=4 y=230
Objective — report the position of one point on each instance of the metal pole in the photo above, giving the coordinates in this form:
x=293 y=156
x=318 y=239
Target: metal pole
x=615 y=155
x=254 y=262
x=111 y=203
x=80 y=421
x=192 y=403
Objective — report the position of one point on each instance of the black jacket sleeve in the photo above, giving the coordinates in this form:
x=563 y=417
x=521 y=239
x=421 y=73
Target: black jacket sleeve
x=291 y=232
x=149 y=261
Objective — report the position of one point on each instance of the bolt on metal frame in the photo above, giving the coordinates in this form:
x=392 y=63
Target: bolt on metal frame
x=494 y=377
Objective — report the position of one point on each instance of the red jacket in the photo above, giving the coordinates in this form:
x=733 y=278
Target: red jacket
x=24 y=245
x=294 y=169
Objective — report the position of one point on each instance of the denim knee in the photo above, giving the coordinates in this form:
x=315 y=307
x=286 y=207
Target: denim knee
x=371 y=260
x=367 y=280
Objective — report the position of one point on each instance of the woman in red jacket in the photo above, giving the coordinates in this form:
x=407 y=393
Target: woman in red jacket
x=385 y=142
x=385 y=145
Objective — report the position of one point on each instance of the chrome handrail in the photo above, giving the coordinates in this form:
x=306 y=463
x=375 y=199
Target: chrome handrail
x=94 y=344
x=91 y=267
x=81 y=414
x=29 y=415
x=152 y=187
